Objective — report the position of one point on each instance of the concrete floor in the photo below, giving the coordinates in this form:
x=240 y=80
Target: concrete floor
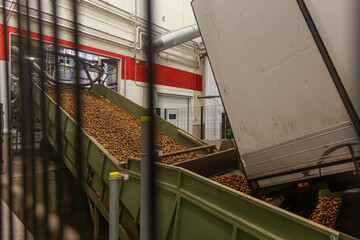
x=18 y=226
x=69 y=211
x=18 y=210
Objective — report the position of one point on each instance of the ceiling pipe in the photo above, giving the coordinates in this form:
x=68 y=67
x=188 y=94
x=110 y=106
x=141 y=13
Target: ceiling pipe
x=205 y=97
x=176 y=37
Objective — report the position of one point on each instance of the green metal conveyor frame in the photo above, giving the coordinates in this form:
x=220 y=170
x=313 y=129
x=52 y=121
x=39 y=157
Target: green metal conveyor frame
x=188 y=206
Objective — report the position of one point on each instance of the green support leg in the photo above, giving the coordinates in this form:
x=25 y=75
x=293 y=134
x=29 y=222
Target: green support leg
x=96 y=223
x=95 y=218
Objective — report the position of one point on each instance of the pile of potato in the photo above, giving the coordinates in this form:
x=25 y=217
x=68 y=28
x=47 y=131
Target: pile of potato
x=234 y=181
x=326 y=211
x=116 y=130
x=237 y=182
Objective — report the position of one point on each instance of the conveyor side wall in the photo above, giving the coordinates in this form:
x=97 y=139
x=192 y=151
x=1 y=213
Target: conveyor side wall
x=199 y=208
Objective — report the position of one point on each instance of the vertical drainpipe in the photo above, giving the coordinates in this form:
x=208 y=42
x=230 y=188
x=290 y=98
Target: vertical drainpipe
x=3 y=92
x=1 y=136
x=5 y=100
x=125 y=77
x=114 y=178
x=202 y=122
x=118 y=79
x=135 y=72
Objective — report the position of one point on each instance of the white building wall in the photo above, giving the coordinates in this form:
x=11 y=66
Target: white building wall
x=210 y=87
x=110 y=28
x=116 y=27
x=3 y=94
x=213 y=107
x=166 y=14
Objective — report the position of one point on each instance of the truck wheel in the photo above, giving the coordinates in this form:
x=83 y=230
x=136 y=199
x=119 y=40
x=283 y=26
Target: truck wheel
x=303 y=204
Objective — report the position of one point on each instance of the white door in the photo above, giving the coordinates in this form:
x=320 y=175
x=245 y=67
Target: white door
x=175 y=109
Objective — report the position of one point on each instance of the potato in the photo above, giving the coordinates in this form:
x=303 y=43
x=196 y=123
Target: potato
x=326 y=211
x=116 y=130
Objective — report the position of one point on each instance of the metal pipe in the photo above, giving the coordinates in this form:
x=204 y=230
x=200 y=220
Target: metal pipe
x=161 y=54
x=202 y=123
x=140 y=41
x=145 y=180
x=175 y=37
x=210 y=96
x=2 y=113
x=1 y=135
x=137 y=84
x=125 y=77
x=188 y=115
x=135 y=49
x=114 y=178
x=143 y=23
x=139 y=33
x=176 y=59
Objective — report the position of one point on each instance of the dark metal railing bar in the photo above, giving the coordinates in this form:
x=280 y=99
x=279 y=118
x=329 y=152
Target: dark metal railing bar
x=81 y=198
x=1 y=169
x=151 y=142
x=2 y=124
x=43 y=126
x=59 y=139
x=2 y=161
x=8 y=109
x=32 y=132
x=23 y=80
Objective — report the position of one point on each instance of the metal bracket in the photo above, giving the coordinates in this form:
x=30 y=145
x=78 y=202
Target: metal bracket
x=124 y=177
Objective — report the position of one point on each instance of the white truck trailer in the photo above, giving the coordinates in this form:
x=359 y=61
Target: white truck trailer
x=288 y=76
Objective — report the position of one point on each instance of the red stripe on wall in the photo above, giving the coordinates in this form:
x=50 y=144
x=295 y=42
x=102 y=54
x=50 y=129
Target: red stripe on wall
x=165 y=76
x=177 y=78
x=2 y=48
